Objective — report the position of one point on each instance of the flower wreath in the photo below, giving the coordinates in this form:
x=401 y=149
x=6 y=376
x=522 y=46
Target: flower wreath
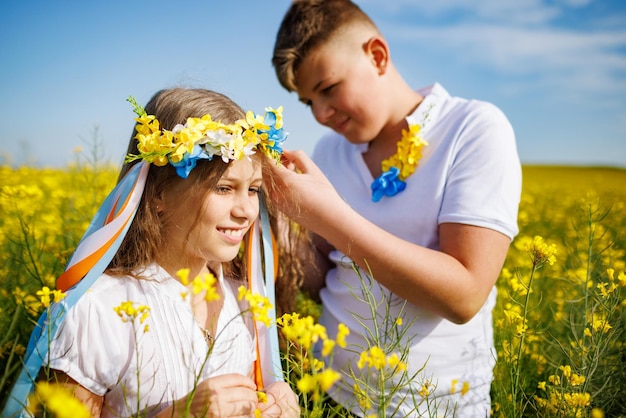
x=204 y=138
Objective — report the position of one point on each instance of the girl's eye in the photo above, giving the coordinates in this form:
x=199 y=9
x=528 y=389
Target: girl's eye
x=254 y=189
x=222 y=189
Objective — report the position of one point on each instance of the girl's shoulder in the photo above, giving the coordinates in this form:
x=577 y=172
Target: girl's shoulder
x=109 y=290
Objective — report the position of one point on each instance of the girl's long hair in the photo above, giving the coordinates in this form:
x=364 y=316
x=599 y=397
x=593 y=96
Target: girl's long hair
x=146 y=235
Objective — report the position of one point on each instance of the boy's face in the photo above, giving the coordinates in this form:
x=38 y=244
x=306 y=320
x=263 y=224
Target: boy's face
x=342 y=84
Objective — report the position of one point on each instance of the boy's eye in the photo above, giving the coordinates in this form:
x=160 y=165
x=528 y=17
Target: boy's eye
x=328 y=89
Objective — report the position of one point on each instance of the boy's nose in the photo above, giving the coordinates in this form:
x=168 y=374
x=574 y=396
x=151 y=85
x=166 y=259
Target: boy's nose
x=322 y=112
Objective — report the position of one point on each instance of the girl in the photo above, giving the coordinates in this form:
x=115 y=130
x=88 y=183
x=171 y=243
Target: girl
x=146 y=339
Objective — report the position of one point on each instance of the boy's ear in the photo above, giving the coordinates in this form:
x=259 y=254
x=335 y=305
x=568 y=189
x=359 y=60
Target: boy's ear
x=377 y=50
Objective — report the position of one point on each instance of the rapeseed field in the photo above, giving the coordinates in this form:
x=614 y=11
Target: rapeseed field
x=559 y=322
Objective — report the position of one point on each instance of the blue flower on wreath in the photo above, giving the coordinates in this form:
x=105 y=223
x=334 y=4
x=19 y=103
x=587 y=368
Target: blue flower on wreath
x=184 y=166
x=275 y=136
x=387 y=184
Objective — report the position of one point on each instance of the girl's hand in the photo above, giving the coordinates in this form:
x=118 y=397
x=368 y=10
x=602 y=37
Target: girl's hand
x=281 y=402
x=228 y=395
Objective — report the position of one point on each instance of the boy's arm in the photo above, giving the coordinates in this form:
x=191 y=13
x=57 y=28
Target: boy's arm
x=453 y=282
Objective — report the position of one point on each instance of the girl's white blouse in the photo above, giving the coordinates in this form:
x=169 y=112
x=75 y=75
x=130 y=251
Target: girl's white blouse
x=144 y=369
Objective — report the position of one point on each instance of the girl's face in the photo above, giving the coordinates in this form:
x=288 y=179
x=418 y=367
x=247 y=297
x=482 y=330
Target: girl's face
x=225 y=215
x=340 y=82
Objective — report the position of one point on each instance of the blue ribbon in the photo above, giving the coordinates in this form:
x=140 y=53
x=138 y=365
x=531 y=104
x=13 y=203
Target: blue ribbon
x=268 y=252
x=387 y=184
x=49 y=321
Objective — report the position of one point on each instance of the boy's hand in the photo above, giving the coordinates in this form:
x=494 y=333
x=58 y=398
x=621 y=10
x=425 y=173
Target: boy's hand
x=302 y=191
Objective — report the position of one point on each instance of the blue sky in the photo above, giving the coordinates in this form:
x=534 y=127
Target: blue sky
x=556 y=67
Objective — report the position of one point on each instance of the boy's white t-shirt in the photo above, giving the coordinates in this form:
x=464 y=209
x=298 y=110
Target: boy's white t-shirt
x=470 y=173
x=109 y=357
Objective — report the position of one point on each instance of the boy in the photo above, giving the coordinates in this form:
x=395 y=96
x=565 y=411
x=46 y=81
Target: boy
x=419 y=189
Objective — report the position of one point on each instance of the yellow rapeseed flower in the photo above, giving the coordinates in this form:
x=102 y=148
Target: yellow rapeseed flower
x=342 y=332
x=453 y=385
x=597 y=413
x=57 y=400
x=606 y=288
x=46 y=295
x=183 y=275
x=424 y=392
x=307 y=383
x=539 y=251
x=554 y=379
x=395 y=363
x=327 y=378
x=611 y=273
x=259 y=305
x=32 y=305
x=327 y=347
x=362 y=397
x=373 y=358
x=129 y=313
x=465 y=388
x=576 y=379
x=302 y=331
x=600 y=323
x=206 y=282
x=577 y=399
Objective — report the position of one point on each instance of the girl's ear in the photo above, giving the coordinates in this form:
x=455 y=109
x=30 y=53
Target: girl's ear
x=378 y=52
x=158 y=204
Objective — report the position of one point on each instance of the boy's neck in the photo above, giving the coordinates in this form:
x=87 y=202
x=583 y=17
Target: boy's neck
x=404 y=104
x=384 y=145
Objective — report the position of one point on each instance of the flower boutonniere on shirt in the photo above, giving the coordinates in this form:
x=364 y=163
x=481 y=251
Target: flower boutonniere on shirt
x=401 y=165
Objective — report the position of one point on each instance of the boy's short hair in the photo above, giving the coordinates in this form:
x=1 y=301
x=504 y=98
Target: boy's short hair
x=306 y=25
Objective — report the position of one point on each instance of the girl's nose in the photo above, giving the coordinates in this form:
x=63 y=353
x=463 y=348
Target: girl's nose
x=246 y=206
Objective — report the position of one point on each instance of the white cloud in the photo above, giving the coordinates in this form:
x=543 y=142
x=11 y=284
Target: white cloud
x=565 y=59
x=523 y=12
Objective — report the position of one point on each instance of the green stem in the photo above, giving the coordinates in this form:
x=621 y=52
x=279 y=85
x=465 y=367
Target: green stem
x=517 y=372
